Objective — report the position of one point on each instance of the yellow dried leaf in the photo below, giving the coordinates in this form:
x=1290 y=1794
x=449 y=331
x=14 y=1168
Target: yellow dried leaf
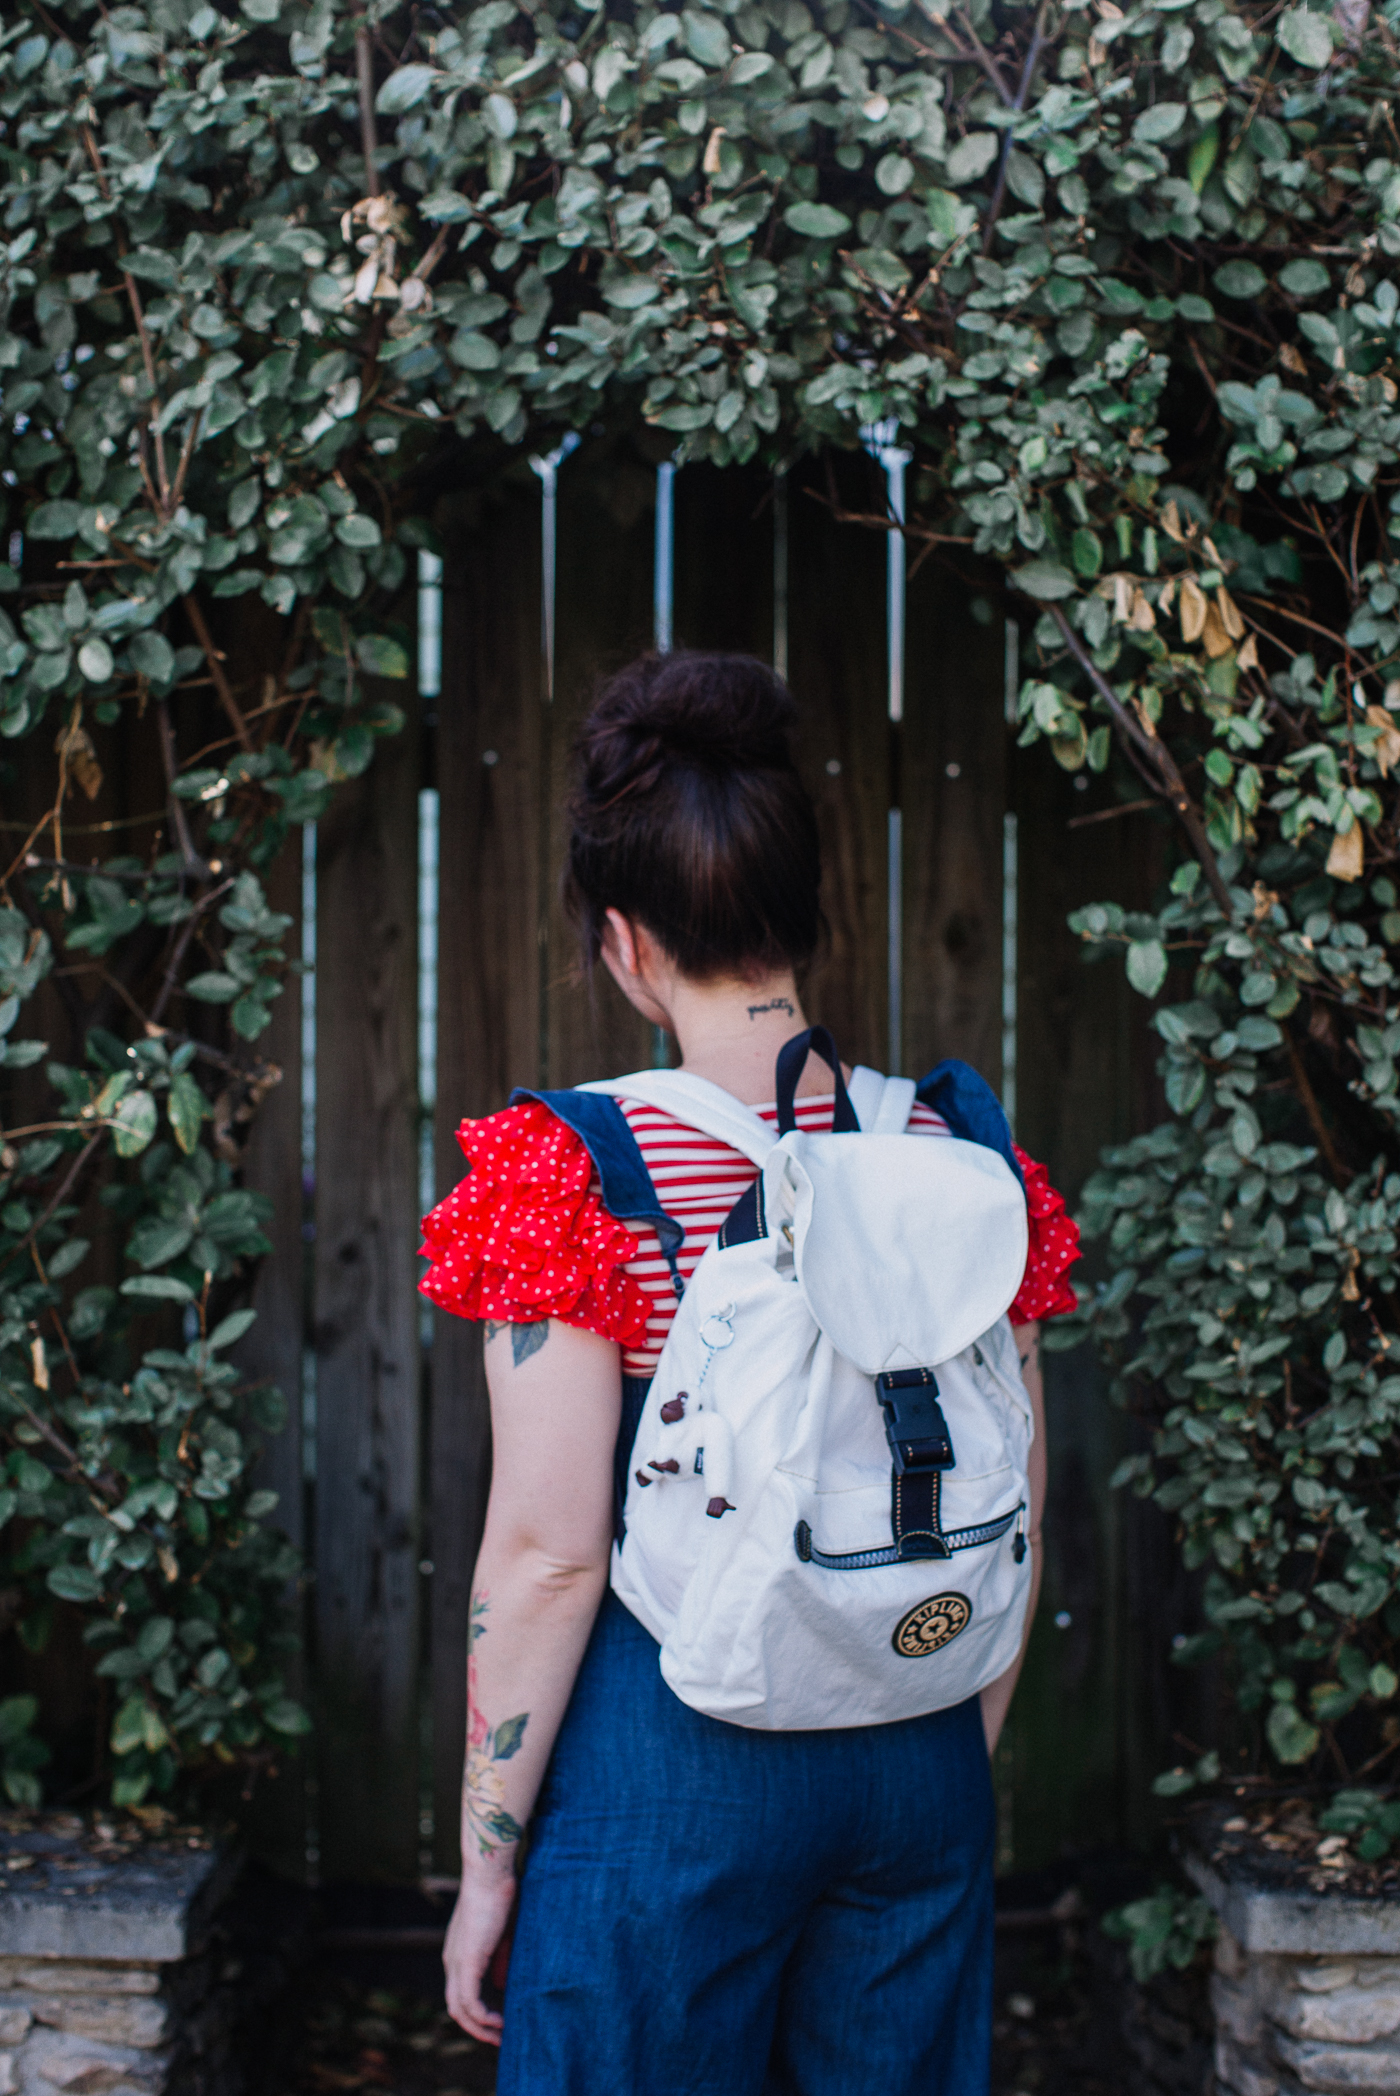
x=1386 y=747
x=712 y=145
x=1230 y=617
x=39 y=1367
x=1193 y=608
x=1122 y=598
x=1096 y=53
x=1166 y=596
x=1293 y=360
x=1143 y=617
x=1346 y=861
x=1248 y=657
x=1216 y=640
x=1171 y=523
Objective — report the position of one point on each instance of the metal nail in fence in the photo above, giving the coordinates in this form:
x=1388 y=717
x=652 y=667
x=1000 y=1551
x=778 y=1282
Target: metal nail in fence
x=879 y=439
x=547 y=468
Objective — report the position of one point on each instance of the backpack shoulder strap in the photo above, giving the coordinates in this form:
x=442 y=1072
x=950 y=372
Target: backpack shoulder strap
x=696 y=1102
x=883 y=1104
x=627 y=1188
x=971 y=1108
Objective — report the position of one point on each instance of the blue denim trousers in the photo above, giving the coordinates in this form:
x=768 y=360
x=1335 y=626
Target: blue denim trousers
x=711 y=1911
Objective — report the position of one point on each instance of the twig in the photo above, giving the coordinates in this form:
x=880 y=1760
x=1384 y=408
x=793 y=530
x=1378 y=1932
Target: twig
x=1314 y=1112
x=170 y=980
x=177 y=807
x=1079 y=822
x=162 y=504
x=369 y=137
x=1151 y=752
x=216 y=671
x=1027 y=75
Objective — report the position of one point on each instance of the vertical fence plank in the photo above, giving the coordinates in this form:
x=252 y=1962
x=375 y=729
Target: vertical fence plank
x=836 y=649
x=367 y=1383
x=606 y=512
x=272 y=1350
x=488 y=743
x=954 y=796
x=1093 y=1719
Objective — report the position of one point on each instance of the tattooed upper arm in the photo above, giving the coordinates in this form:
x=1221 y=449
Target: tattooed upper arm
x=524 y=1339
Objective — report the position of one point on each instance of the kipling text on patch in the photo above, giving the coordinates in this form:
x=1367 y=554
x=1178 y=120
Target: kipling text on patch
x=930 y=1626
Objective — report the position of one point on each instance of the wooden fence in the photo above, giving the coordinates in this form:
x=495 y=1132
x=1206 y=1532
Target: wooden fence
x=384 y=1468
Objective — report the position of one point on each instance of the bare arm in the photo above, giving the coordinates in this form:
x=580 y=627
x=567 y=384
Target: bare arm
x=556 y=1396
x=996 y=1697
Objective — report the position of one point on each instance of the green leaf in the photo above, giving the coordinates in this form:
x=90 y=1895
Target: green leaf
x=1305 y=36
x=54 y=520
x=1290 y=1736
x=213 y=987
x=74 y=1583
x=379 y=656
x=95 y=661
x=1239 y=280
x=1304 y=278
x=1201 y=158
x=134 y=1124
x=158 y=1287
x=893 y=174
x=186 y=1107
x=1087 y=552
x=1159 y=123
x=404 y=89
x=230 y=1329
x=152 y=655
x=1147 y=966
x=817 y=221
x=287 y=1717
x=1045 y=580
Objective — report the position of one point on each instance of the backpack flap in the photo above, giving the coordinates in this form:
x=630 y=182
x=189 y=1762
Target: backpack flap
x=906 y=1250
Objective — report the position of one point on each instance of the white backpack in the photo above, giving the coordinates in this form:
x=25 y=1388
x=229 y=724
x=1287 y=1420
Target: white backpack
x=828 y=1502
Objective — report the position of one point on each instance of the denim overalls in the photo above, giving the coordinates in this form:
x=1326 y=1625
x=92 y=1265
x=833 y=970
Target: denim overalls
x=712 y=1911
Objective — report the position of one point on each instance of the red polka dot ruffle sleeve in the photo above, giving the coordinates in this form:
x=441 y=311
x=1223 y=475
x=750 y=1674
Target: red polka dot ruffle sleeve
x=522 y=1238
x=1054 y=1247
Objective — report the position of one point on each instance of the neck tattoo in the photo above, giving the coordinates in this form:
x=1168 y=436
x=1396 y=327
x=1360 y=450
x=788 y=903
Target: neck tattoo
x=774 y=1004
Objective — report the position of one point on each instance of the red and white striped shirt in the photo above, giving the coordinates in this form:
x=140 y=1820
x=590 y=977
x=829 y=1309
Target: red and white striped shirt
x=698 y=1179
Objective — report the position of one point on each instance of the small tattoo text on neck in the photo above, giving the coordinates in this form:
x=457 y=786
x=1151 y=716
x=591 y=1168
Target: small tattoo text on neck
x=774 y=1004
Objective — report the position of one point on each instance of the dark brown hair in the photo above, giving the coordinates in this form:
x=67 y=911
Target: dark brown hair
x=688 y=815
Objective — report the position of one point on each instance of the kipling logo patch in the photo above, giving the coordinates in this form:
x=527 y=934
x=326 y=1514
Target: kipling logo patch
x=932 y=1625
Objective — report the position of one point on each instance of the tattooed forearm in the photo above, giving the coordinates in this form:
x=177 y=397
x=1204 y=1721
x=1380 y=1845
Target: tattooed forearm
x=524 y=1339
x=774 y=1004
x=484 y=1815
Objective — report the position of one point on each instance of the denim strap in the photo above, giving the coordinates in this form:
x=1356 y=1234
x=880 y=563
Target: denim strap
x=628 y=1192
x=971 y=1108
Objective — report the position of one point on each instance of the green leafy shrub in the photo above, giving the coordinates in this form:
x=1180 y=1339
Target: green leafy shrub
x=1166 y=1929
x=1121 y=276
x=1371 y=1822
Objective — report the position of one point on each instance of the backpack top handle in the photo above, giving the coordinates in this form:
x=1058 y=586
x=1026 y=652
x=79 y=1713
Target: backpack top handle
x=792 y=1061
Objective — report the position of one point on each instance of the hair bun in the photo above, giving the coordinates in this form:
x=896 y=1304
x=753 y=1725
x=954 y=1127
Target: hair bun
x=728 y=712
x=687 y=814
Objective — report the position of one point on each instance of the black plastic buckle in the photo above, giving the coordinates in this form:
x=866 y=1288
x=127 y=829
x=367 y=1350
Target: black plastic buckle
x=914 y=1424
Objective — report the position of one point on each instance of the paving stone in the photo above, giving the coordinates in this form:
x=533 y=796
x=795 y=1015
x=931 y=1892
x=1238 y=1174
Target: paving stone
x=139 y=2021
x=15 y=2020
x=1342 y=2069
x=1343 y=2015
x=9 y=2081
x=68 y=1976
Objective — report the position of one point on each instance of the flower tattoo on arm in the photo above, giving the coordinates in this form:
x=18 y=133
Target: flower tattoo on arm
x=484 y=1813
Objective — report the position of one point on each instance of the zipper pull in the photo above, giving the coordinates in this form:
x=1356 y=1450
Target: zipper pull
x=1018 y=1547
